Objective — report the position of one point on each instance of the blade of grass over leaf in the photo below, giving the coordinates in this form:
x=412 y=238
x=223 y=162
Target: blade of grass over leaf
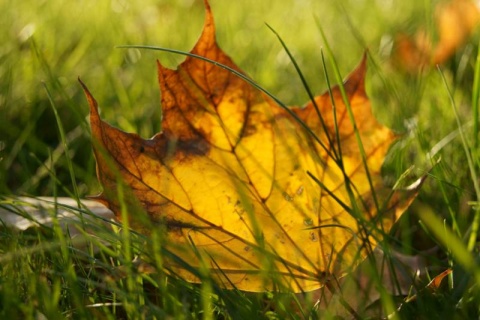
x=330 y=193
x=339 y=79
x=334 y=156
x=353 y=210
x=334 y=107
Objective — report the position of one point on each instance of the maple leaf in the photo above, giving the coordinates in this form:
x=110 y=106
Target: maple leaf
x=239 y=184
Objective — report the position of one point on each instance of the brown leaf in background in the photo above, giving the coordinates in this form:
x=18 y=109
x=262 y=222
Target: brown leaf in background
x=454 y=22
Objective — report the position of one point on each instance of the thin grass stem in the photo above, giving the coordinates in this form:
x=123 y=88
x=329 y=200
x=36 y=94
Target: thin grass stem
x=475 y=99
x=476 y=219
x=350 y=113
x=65 y=146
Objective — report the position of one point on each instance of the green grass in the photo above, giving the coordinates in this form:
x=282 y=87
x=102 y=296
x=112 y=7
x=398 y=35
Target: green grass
x=45 y=149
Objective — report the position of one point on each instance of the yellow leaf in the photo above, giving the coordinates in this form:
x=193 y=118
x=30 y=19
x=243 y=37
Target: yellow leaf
x=233 y=178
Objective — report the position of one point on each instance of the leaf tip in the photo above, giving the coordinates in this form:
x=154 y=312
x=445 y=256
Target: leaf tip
x=208 y=11
x=356 y=80
x=95 y=121
x=91 y=100
x=209 y=25
x=207 y=5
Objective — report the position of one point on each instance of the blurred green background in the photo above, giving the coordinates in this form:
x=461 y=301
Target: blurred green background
x=46 y=45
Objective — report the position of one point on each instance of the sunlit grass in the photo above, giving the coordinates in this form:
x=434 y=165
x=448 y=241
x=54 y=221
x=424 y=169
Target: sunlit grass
x=45 y=148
